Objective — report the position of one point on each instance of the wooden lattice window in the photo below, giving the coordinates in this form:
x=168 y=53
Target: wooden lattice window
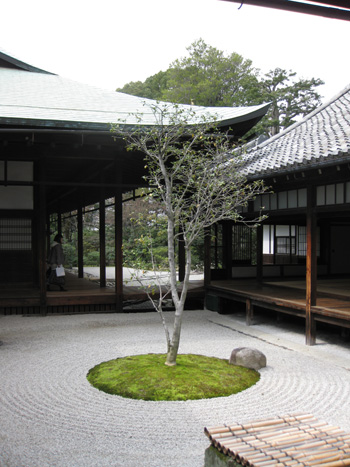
x=217 y=246
x=285 y=245
x=15 y=234
x=241 y=243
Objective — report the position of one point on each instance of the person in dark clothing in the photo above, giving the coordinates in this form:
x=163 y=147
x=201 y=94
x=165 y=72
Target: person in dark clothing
x=55 y=259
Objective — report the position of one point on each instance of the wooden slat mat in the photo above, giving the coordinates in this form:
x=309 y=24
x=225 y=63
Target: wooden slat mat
x=293 y=440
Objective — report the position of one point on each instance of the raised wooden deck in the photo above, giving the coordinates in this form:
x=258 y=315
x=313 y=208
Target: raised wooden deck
x=333 y=298
x=82 y=296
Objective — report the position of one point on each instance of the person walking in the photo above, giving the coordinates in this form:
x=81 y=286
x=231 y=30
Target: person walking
x=56 y=260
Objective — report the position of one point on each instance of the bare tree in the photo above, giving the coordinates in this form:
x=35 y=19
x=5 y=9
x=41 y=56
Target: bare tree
x=195 y=174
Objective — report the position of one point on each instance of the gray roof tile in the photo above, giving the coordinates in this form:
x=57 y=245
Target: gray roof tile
x=44 y=99
x=321 y=138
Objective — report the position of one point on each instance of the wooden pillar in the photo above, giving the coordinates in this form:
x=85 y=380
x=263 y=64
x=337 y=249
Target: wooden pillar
x=207 y=256
x=311 y=266
x=227 y=244
x=48 y=233
x=80 y=242
x=118 y=220
x=182 y=257
x=59 y=223
x=249 y=312
x=326 y=250
x=102 y=233
x=41 y=246
x=259 y=253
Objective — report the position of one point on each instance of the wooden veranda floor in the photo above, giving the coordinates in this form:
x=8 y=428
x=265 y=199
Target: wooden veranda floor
x=287 y=296
x=86 y=296
x=81 y=296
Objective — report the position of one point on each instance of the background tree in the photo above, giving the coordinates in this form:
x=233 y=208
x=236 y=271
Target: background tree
x=208 y=77
x=190 y=174
x=144 y=228
x=152 y=88
x=290 y=98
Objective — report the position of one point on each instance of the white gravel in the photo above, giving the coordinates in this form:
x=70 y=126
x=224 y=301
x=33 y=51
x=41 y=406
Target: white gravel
x=51 y=416
x=135 y=277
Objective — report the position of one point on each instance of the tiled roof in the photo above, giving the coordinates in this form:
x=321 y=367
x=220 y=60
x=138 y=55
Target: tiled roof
x=321 y=138
x=48 y=100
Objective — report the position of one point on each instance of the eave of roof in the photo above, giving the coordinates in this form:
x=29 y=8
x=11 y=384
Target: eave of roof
x=12 y=62
x=33 y=98
x=336 y=9
x=322 y=138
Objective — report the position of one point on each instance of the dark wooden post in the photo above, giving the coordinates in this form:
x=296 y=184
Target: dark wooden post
x=227 y=244
x=48 y=232
x=327 y=251
x=59 y=223
x=80 y=242
x=207 y=256
x=311 y=266
x=118 y=220
x=41 y=246
x=259 y=253
x=249 y=312
x=102 y=232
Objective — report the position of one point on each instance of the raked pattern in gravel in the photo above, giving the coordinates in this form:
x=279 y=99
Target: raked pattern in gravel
x=51 y=416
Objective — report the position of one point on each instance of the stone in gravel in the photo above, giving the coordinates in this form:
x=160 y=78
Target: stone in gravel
x=248 y=357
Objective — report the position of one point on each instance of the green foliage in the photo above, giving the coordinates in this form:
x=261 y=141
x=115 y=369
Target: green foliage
x=110 y=254
x=92 y=258
x=194 y=377
x=90 y=238
x=91 y=246
x=208 y=77
x=152 y=88
x=290 y=98
x=70 y=254
x=145 y=235
x=144 y=231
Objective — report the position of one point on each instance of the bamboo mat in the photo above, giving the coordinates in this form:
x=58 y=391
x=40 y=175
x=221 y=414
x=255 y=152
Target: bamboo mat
x=293 y=440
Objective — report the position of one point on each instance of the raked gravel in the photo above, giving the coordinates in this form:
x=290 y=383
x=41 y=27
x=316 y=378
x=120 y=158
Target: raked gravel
x=51 y=416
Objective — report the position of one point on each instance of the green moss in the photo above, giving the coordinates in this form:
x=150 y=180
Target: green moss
x=194 y=377
x=215 y=458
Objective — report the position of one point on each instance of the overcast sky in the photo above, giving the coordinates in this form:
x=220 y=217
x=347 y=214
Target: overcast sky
x=109 y=43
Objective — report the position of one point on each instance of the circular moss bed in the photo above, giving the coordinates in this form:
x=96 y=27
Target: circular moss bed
x=147 y=377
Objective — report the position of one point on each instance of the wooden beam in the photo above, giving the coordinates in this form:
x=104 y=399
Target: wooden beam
x=311 y=266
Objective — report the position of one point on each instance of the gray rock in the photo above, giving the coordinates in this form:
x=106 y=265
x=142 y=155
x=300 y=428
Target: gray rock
x=248 y=357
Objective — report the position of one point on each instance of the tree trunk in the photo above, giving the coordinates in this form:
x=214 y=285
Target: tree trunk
x=275 y=118
x=175 y=341
x=179 y=309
